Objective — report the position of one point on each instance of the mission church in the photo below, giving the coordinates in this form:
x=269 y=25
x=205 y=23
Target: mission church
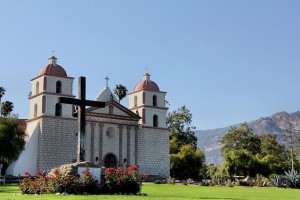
x=116 y=136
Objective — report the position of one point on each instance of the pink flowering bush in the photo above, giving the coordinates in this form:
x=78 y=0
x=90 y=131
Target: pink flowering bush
x=122 y=181
x=116 y=181
x=57 y=182
x=34 y=184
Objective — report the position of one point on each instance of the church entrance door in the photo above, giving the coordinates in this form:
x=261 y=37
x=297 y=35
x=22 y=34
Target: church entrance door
x=110 y=160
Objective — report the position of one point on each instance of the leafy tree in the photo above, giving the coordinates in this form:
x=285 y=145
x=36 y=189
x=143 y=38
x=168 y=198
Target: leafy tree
x=120 y=91
x=12 y=139
x=215 y=171
x=248 y=154
x=187 y=163
x=6 y=108
x=241 y=162
x=181 y=131
x=240 y=138
x=186 y=160
x=273 y=156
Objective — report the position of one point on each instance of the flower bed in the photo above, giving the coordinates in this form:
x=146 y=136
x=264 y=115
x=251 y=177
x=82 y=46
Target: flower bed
x=126 y=181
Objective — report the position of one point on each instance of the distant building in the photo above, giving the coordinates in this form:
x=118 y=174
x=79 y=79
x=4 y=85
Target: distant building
x=116 y=136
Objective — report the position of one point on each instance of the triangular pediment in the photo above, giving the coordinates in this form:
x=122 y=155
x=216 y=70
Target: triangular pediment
x=118 y=111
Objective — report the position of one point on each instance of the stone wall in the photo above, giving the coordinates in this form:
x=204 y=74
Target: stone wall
x=153 y=151
x=57 y=142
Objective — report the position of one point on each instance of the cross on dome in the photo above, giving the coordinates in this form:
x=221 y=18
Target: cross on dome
x=107 y=79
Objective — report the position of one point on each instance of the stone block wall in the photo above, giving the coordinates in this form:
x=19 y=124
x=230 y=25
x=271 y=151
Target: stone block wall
x=57 y=142
x=153 y=151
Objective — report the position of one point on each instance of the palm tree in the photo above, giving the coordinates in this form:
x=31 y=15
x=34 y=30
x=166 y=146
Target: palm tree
x=6 y=108
x=120 y=91
x=2 y=92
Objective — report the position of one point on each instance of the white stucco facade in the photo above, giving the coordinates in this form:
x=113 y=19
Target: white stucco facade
x=115 y=135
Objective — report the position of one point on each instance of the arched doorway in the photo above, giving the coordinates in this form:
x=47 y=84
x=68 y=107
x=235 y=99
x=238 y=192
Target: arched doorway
x=110 y=160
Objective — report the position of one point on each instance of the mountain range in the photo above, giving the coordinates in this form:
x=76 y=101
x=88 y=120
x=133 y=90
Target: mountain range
x=209 y=140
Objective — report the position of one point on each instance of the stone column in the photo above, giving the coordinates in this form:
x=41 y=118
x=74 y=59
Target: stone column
x=128 y=145
x=92 y=141
x=120 y=146
x=136 y=129
x=101 y=143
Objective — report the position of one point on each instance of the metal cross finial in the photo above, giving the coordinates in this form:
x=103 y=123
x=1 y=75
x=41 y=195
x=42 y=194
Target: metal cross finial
x=106 y=78
x=146 y=69
x=53 y=52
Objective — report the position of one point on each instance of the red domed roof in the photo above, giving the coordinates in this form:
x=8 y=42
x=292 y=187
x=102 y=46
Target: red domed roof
x=146 y=84
x=53 y=69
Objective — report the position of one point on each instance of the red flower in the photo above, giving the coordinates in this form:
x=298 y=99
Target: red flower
x=38 y=173
x=109 y=170
x=26 y=173
x=133 y=168
x=86 y=172
x=56 y=172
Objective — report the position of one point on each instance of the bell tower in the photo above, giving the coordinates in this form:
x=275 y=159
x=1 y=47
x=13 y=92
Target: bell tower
x=52 y=82
x=149 y=102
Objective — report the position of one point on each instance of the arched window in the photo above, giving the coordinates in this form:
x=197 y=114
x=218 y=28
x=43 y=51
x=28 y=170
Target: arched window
x=111 y=110
x=37 y=86
x=155 y=121
x=45 y=84
x=110 y=161
x=154 y=100
x=58 y=109
x=135 y=101
x=35 y=110
x=44 y=104
x=58 y=87
x=144 y=116
x=144 y=97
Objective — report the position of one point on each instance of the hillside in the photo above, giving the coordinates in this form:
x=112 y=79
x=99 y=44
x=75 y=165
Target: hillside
x=208 y=140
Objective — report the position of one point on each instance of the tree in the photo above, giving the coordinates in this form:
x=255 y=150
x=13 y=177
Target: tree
x=241 y=162
x=120 y=91
x=2 y=92
x=186 y=160
x=6 y=108
x=240 y=138
x=273 y=156
x=181 y=131
x=248 y=154
x=187 y=163
x=12 y=139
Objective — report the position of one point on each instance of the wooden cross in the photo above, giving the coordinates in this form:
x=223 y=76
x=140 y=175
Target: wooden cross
x=82 y=103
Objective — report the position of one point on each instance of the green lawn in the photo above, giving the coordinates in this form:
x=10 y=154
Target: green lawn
x=165 y=192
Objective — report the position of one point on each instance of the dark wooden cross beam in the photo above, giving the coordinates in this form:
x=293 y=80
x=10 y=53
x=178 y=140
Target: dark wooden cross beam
x=82 y=103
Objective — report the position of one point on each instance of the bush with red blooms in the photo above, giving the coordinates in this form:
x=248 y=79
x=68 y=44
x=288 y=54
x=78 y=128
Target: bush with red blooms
x=34 y=184
x=122 y=181
x=126 y=181
x=57 y=182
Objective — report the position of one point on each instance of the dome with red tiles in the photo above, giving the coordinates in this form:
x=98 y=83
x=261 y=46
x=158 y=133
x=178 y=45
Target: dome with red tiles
x=53 y=69
x=146 y=84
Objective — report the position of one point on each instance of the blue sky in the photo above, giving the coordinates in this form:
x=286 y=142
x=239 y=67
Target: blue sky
x=227 y=61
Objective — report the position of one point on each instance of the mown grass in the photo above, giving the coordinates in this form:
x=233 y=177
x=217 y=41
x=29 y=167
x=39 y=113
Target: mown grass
x=172 y=192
